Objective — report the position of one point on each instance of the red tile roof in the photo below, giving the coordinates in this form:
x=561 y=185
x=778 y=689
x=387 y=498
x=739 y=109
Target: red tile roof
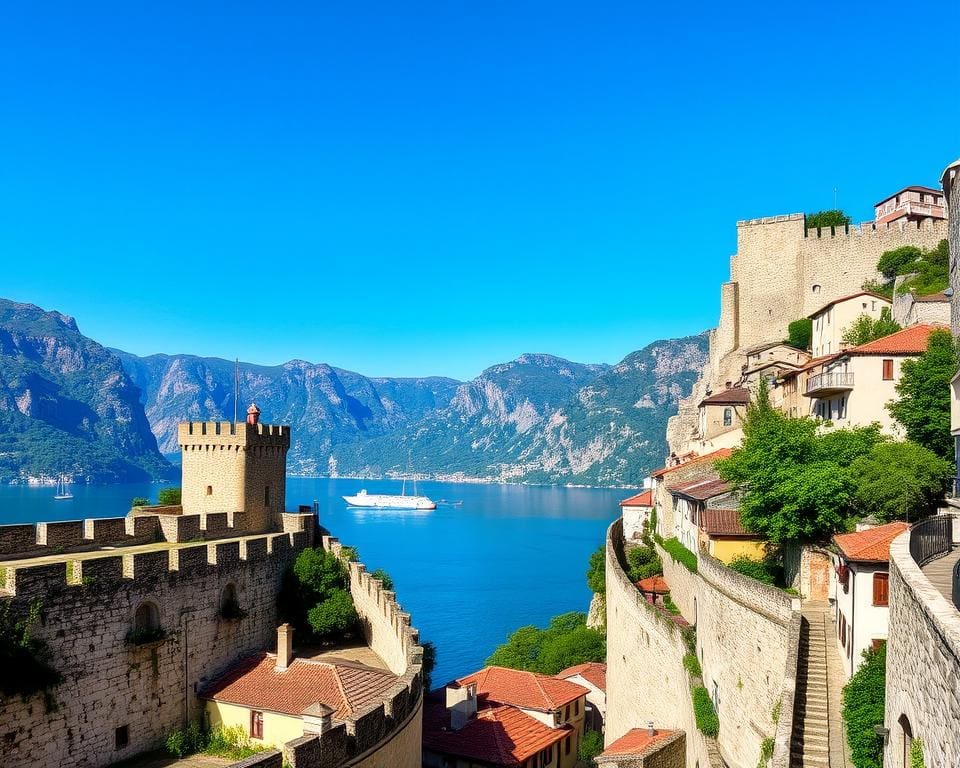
x=847 y=298
x=256 y=683
x=642 y=499
x=637 y=742
x=529 y=690
x=501 y=735
x=910 y=341
x=871 y=545
x=722 y=522
x=593 y=672
x=722 y=453
x=655 y=584
x=913 y=188
x=702 y=489
x=732 y=396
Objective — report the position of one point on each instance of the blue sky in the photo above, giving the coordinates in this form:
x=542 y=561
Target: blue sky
x=430 y=188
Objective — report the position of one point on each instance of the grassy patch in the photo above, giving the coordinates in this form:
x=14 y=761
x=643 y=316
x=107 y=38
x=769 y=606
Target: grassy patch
x=706 y=716
x=680 y=553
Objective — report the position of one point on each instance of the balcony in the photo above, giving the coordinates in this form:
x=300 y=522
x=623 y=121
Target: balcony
x=827 y=384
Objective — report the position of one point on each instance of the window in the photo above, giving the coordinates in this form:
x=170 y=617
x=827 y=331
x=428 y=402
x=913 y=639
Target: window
x=566 y=713
x=888 y=370
x=256 y=725
x=842 y=408
x=815 y=289
x=209 y=490
x=121 y=737
x=576 y=707
x=147 y=618
x=566 y=746
x=881 y=588
x=266 y=495
x=727 y=417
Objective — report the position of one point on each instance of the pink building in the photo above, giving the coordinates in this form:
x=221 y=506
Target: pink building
x=911 y=204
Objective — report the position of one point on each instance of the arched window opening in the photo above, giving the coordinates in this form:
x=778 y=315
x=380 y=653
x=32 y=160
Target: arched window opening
x=230 y=603
x=146 y=624
x=209 y=490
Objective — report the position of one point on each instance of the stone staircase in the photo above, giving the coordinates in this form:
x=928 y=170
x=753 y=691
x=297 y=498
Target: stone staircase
x=810 y=747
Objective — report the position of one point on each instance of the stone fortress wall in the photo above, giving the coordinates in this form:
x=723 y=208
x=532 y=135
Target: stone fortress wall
x=923 y=664
x=747 y=637
x=783 y=272
x=88 y=609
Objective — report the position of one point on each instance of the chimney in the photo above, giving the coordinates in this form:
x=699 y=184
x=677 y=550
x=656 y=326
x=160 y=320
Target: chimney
x=462 y=704
x=651 y=731
x=317 y=718
x=253 y=414
x=284 y=646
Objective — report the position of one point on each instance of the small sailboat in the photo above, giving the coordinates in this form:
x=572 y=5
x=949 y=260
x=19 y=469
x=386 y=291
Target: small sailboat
x=63 y=489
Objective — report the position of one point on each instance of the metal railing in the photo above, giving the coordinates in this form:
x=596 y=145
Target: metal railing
x=932 y=538
x=829 y=381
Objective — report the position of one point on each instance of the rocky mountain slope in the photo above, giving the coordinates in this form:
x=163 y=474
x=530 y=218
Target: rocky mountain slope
x=66 y=404
x=543 y=419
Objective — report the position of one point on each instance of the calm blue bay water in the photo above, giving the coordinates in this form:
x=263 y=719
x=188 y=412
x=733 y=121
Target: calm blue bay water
x=469 y=575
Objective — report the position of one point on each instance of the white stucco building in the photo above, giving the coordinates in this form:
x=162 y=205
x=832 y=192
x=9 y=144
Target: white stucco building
x=832 y=320
x=636 y=513
x=859 y=590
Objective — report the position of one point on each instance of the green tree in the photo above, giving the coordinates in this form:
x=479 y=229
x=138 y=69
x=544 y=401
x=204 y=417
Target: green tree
x=923 y=406
x=385 y=579
x=824 y=219
x=898 y=261
x=866 y=328
x=800 y=333
x=863 y=703
x=643 y=562
x=899 y=481
x=139 y=501
x=590 y=746
x=566 y=641
x=168 y=497
x=596 y=571
x=429 y=663
x=931 y=272
x=333 y=617
x=318 y=573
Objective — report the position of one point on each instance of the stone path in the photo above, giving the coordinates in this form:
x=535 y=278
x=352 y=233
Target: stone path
x=940 y=573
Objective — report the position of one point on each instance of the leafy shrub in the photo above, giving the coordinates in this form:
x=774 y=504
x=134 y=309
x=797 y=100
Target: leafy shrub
x=591 y=745
x=706 y=716
x=865 y=328
x=596 y=571
x=670 y=605
x=567 y=641
x=763 y=571
x=643 y=562
x=186 y=741
x=333 y=617
x=139 y=501
x=932 y=272
x=692 y=665
x=384 y=578
x=680 y=553
x=863 y=703
x=766 y=751
x=916 y=754
x=899 y=481
x=898 y=261
x=800 y=333
x=231 y=743
x=168 y=497
x=826 y=219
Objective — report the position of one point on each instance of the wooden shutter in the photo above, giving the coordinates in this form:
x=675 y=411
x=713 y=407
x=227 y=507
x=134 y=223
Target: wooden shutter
x=888 y=370
x=881 y=588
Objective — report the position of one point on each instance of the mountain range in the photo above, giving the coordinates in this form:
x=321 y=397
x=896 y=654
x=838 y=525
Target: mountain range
x=538 y=418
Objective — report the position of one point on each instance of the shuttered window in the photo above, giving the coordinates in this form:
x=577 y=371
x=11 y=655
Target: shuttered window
x=880 y=588
x=888 y=370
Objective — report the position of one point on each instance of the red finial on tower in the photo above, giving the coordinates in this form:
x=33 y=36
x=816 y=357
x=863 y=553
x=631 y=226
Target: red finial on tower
x=253 y=414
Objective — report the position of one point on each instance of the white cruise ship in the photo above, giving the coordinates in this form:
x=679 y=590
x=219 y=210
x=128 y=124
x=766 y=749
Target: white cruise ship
x=389 y=501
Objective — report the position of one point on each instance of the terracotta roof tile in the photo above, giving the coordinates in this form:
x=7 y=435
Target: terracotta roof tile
x=722 y=522
x=871 y=545
x=637 y=741
x=702 y=489
x=256 y=683
x=910 y=341
x=501 y=735
x=732 y=396
x=499 y=685
x=593 y=672
x=655 y=584
x=722 y=453
x=642 y=499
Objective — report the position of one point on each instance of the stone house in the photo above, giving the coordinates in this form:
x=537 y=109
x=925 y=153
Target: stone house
x=646 y=748
x=593 y=676
x=708 y=520
x=275 y=698
x=676 y=472
x=721 y=417
x=911 y=204
x=504 y=717
x=860 y=590
x=852 y=388
x=636 y=512
x=832 y=320
x=770 y=360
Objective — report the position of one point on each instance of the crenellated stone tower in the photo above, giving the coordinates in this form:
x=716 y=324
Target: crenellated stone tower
x=235 y=468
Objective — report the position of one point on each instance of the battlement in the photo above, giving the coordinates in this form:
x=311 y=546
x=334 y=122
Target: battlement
x=27 y=540
x=771 y=220
x=194 y=434
x=864 y=229
x=118 y=570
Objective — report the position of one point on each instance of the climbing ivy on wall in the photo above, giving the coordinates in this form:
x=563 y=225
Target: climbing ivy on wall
x=863 y=702
x=24 y=659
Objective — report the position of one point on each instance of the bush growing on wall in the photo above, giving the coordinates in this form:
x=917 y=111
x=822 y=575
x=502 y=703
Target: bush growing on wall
x=800 y=333
x=24 y=659
x=596 y=571
x=168 y=497
x=706 y=716
x=643 y=562
x=680 y=553
x=863 y=703
x=315 y=596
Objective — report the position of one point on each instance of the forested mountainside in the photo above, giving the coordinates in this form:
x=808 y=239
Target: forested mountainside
x=66 y=404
